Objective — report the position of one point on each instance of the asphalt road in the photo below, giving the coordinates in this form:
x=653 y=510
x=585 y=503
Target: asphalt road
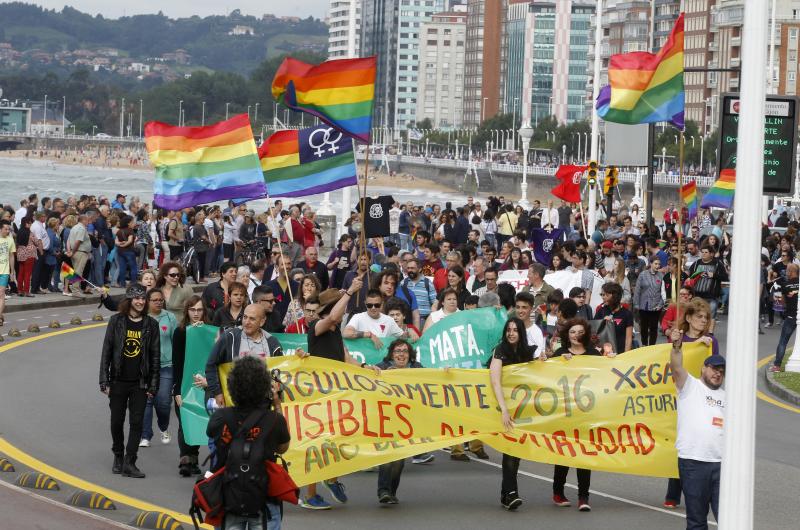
x=53 y=410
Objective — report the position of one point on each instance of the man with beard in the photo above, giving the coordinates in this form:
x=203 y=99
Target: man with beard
x=422 y=288
x=700 y=441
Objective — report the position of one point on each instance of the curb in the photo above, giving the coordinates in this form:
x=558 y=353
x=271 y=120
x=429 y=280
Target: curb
x=64 y=301
x=779 y=390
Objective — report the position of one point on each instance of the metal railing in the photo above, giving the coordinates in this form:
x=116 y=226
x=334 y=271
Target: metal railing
x=660 y=178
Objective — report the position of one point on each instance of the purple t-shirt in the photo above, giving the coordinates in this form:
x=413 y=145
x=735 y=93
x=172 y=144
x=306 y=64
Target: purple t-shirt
x=714 y=343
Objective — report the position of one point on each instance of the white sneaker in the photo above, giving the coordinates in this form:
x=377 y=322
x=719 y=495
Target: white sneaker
x=165 y=438
x=144 y=443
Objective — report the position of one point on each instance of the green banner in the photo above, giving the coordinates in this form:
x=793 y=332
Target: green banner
x=462 y=340
x=194 y=418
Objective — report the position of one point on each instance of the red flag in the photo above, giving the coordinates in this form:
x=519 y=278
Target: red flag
x=570 y=187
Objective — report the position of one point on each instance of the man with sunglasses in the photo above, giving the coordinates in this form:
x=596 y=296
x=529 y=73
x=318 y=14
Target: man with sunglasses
x=373 y=324
x=264 y=296
x=700 y=441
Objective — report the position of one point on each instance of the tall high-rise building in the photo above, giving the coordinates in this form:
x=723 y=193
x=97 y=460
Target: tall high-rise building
x=697 y=53
x=666 y=12
x=483 y=62
x=339 y=27
x=441 y=73
x=390 y=29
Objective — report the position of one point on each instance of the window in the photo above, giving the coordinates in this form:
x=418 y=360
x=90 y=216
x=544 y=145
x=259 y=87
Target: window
x=791 y=76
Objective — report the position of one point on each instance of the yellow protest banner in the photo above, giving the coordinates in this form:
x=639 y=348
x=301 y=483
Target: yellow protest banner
x=607 y=414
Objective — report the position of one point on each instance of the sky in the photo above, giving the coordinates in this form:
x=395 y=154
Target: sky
x=187 y=8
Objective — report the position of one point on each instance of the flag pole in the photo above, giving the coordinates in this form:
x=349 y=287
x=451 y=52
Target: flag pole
x=280 y=255
x=362 y=197
x=680 y=233
x=595 y=137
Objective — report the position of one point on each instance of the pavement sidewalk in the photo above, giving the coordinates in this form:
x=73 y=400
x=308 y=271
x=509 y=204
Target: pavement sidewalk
x=16 y=303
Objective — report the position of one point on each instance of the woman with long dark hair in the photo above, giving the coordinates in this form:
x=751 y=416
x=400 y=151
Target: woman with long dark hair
x=576 y=339
x=513 y=349
x=27 y=254
x=230 y=315
x=194 y=315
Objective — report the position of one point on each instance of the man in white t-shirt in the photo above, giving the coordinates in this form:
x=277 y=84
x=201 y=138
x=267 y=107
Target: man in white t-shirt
x=373 y=324
x=700 y=443
x=523 y=306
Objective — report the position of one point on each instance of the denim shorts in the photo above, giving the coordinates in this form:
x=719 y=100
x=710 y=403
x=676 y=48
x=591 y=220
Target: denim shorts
x=4 y=279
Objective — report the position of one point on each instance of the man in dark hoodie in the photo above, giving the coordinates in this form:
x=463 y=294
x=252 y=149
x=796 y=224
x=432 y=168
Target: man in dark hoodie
x=237 y=342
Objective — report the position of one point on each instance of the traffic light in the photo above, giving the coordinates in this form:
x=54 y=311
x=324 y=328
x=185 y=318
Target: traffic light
x=611 y=179
x=592 y=175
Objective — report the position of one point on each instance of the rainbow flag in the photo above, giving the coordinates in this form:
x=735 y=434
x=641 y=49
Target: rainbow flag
x=69 y=275
x=339 y=92
x=689 y=196
x=197 y=165
x=721 y=193
x=646 y=88
x=304 y=162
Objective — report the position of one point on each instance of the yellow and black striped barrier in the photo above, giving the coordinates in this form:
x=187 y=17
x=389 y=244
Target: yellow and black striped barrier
x=156 y=521
x=91 y=500
x=38 y=481
x=6 y=466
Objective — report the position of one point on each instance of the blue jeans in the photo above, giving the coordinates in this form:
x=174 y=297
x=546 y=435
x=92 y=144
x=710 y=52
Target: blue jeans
x=126 y=261
x=700 y=482
x=787 y=330
x=97 y=275
x=389 y=476
x=237 y=522
x=162 y=403
x=674 y=490
x=714 y=305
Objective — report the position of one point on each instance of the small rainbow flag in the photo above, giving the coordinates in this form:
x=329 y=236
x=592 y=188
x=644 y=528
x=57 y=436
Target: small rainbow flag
x=69 y=275
x=197 y=165
x=339 y=92
x=689 y=195
x=303 y=162
x=646 y=88
x=721 y=193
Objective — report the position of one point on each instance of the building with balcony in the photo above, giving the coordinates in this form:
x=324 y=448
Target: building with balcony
x=390 y=29
x=699 y=46
x=484 y=60
x=339 y=28
x=440 y=95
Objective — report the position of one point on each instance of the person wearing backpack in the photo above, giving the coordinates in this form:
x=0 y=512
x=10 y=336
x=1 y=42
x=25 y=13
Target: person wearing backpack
x=248 y=435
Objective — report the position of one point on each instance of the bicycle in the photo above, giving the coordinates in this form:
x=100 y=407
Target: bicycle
x=188 y=261
x=251 y=251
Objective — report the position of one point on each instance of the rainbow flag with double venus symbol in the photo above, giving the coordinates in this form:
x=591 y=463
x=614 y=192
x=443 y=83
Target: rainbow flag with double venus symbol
x=297 y=163
x=339 y=92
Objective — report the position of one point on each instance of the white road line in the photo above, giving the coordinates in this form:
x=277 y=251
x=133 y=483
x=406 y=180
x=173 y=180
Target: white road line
x=21 y=319
x=595 y=492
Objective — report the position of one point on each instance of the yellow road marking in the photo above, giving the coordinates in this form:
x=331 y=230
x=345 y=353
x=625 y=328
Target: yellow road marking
x=772 y=401
x=16 y=454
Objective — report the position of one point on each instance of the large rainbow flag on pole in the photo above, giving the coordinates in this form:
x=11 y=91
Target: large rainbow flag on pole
x=304 y=162
x=339 y=92
x=646 y=88
x=689 y=196
x=197 y=165
x=720 y=195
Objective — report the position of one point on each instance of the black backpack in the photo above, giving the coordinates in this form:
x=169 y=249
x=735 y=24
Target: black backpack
x=245 y=481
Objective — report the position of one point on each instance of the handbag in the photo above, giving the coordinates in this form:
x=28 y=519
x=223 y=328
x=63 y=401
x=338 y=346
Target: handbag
x=281 y=485
x=604 y=331
x=207 y=499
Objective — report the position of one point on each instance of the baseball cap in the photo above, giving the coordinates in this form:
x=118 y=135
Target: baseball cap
x=135 y=290
x=715 y=360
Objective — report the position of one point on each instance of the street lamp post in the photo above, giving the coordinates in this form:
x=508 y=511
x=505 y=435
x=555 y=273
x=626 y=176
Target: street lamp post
x=64 y=117
x=122 y=119
x=525 y=134
x=94 y=128
x=203 y=114
x=44 y=116
x=702 y=160
x=180 y=112
x=514 y=126
x=255 y=115
x=563 y=154
x=226 y=110
x=141 y=104
x=663 y=159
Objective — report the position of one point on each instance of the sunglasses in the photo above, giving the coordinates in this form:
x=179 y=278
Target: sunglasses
x=373 y=306
x=174 y=274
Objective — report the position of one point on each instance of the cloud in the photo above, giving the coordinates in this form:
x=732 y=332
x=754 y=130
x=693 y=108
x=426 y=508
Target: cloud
x=187 y=8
